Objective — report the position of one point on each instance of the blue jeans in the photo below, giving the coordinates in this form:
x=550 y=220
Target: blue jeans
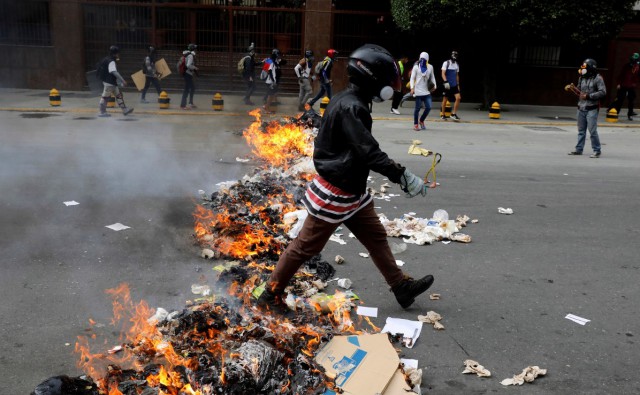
x=426 y=99
x=324 y=88
x=588 y=120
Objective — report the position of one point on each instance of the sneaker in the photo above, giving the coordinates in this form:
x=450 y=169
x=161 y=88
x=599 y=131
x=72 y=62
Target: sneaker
x=630 y=118
x=409 y=288
x=443 y=117
x=575 y=153
x=416 y=128
x=422 y=126
x=104 y=115
x=395 y=111
x=455 y=117
x=595 y=155
x=128 y=111
x=185 y=108
x=143 y=101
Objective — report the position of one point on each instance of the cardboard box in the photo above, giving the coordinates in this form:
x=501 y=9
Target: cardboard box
x=163 y=68
x=363 y=365
x=139 y=79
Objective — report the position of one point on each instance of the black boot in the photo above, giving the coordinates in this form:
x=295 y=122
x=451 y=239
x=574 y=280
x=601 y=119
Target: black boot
x=409 y=288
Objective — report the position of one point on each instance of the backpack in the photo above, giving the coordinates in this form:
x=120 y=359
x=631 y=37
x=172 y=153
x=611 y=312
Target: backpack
x=102 y=69
x=241 y=64
x=182 y=65
x=320 y=66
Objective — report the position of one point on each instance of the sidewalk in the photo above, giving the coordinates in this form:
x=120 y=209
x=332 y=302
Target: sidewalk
x=31 y=100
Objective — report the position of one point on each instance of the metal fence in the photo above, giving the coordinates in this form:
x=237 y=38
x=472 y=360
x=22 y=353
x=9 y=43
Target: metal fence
x=25 y=22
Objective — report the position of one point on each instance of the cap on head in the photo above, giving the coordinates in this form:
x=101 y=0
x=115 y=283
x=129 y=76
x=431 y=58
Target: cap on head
x=424 y=55
x=114 y=50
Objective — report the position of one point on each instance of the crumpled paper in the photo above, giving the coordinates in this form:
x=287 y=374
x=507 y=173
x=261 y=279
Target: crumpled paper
x=503 y=210
x=415 y=150
x=471 y=366
x=432 y=318
x=528 y=375
x=421 y=230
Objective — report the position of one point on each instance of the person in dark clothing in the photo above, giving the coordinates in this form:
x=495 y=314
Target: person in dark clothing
x=111 y=81
x=190 y=72
x=627 y=82
x=397 y=96
x=273 y=80
x=249 y=74
x=151 y=74
x=345 y=152
x=323 y=72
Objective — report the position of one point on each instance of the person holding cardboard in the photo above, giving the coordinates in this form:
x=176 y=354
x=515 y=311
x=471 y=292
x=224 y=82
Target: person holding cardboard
x=151 y=74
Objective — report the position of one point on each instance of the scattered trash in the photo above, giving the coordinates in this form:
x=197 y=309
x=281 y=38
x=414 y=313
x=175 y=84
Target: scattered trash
x=71 y=203
x=298 y=217
x=339 y=260
x=238 y=159
x=363 y=254
x=198 y=289
x=398 y=248
x=475 y=221
x=576 y=319
x=410 y=330
x=337 y=237
x=207 y=253
x=461 y=237
x=471 y=366
x=63 y=385
x=432 y=318
x=159 y=316
x=399 y=263
x=203 y=194
x=421 y=230
x=367 y=311
x=344 y=283
x=446 y=241
x=503 y=210
x=117 y=227
x=440 y=215
x=115 y=349
x=434 y=296
x=528 y=374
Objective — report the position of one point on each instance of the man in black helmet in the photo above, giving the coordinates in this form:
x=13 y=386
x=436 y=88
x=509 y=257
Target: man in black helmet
x=345 y=152
x=111 y=79
x=592 y=89
x=249 y=73
x=151 y=74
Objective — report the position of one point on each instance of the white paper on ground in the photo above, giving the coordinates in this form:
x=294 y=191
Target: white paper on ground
x=367 y=311
x=337 y=237
x=576 y=319
x=399 y=262
x=117 y=227
x=410 y=363
x=410 y=329
x=71 y=203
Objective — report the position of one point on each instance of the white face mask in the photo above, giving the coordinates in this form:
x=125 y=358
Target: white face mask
x=386 y=93
x=583 y=71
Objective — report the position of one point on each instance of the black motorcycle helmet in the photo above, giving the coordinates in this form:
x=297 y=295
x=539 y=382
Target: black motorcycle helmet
x=275 y=54
x=373 y=69
x=308 y=53
x=192 y=47
x=114 y=52
x=589 y=66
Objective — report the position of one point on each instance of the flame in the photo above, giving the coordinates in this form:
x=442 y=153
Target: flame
x=275 y=143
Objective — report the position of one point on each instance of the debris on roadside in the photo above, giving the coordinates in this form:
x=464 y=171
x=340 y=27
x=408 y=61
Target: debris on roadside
x=471 y=366
x=434 y=296
x=422 y=231
x=432 y=318
x=527 y=375
x=339 y=260
x=507 y=211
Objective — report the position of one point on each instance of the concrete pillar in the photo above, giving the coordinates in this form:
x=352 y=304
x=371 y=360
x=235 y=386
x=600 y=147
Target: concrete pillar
x=67 y=70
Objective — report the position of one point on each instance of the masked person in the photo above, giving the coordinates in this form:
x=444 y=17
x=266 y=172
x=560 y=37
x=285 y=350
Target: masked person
x=190 y=71
x=303 y=72
x=451 y=82
x=249 y=74
x=151 y=74
x=345 y=151
x=592 y=89
x=111 y=80
x=422 y=83
x=273 y=80
x=323 y=72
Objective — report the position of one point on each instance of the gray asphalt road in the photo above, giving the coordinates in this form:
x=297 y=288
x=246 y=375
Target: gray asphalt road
x=569 y=247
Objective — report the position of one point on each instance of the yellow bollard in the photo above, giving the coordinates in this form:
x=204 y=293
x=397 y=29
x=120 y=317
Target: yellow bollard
x=54 y=98
x=447 y=110
x=612 y=115
x=323 y=104
x=217 y=103
x=494 y=112
x=164 y=100
x=111 y=101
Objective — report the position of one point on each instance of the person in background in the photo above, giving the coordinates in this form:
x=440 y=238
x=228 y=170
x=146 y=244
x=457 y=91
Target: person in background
x=108 y=73
x=249 y=74
x=190 y=72
x=592 y=89
x=151 y=74
x=303 y=72
x=345 y=151
x=422 y=83
x=627 y=81
x=451 y=81
x=273 y=80
x=323 y=72
x=397 y=96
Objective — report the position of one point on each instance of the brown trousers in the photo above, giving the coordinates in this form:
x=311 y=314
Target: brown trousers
x=314 y=235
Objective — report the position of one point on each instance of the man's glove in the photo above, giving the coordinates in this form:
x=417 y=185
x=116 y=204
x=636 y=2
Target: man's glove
x=412 y=184
x=446 y=85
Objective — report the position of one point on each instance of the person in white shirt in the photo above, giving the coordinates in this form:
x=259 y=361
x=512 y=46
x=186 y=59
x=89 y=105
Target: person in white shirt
x=422 y=83
x=303 y=72
x=451 y=77
x=111 y=79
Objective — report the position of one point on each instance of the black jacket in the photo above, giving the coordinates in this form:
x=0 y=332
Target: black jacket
x=345 y=150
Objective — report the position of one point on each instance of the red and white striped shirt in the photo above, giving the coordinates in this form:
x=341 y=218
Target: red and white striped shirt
x=330 y=203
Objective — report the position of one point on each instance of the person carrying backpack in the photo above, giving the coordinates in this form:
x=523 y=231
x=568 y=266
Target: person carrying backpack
x=111 y=79
x=248 y=66
x=323 y=71
x=151 y=74
x=188 y=68
x=303 y=72
x=273 y=80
